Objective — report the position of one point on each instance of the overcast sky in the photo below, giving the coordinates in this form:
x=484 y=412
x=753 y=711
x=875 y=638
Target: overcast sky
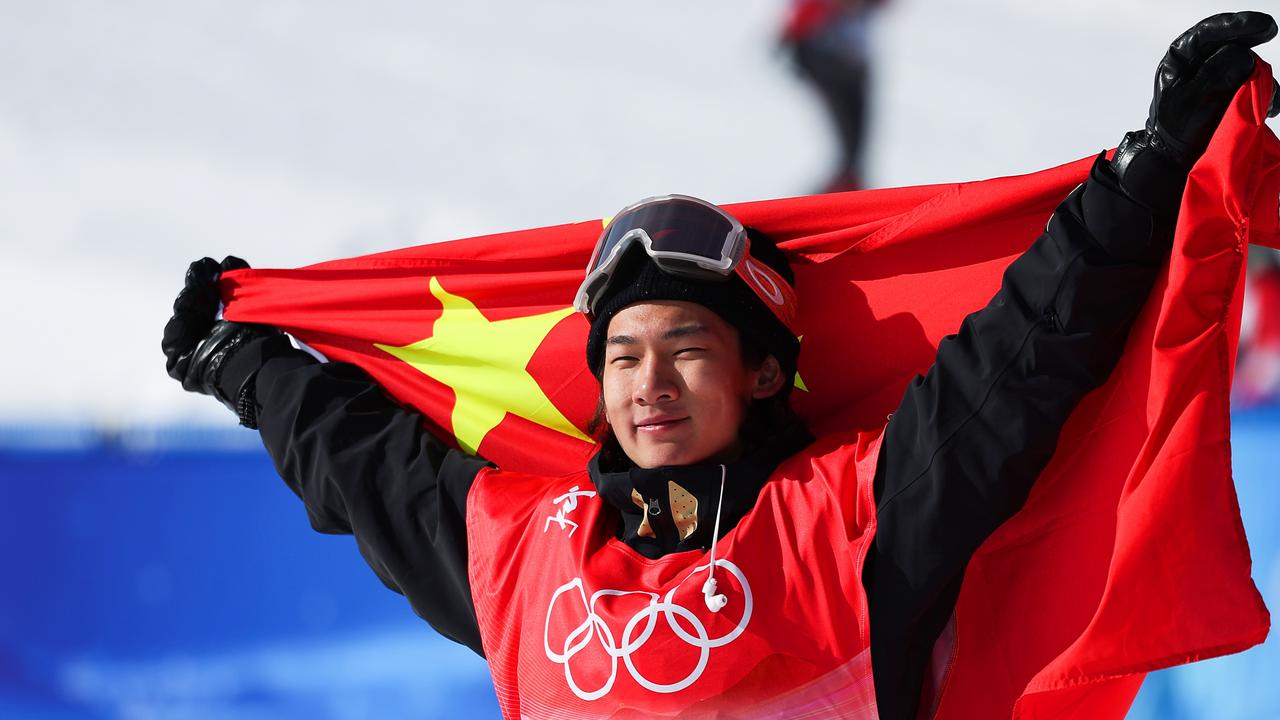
x=137 y=136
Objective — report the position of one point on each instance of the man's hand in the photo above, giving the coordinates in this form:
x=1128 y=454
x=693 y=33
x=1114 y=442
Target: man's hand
x=1198 y=77
x=1195 y=82
x=197 y=345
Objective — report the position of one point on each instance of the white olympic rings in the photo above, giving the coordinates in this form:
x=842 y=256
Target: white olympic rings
x=594 y=627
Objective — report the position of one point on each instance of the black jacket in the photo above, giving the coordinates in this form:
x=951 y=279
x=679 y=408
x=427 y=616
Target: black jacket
x=959 y=456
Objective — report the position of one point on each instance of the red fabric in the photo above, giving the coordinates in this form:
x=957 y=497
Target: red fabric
x=1129 y=556
x=560 y=600
x=1266 y=332
x=805 y=17
x=1258 y=373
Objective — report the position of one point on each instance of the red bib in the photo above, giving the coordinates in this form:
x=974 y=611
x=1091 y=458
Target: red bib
x=576 y=624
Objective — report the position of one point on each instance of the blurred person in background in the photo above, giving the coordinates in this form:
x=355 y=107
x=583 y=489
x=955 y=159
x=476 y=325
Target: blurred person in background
x=830 y=42
x=1257 y=380
x=695 y=363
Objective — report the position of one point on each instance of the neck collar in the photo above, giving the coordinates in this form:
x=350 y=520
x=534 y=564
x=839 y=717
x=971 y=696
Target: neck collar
x=673 y=508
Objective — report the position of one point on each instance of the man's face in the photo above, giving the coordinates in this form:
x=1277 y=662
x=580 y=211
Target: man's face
x=675 y=387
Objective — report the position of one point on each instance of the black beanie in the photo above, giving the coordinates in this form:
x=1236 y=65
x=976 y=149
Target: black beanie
x=638 y=279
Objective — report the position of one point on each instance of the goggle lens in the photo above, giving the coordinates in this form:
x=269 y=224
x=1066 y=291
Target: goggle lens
x=676 y=225
x=684 y=236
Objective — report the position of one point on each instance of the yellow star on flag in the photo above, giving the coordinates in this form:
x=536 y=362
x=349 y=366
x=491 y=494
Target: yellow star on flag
x=799 y=384
x=484 y=361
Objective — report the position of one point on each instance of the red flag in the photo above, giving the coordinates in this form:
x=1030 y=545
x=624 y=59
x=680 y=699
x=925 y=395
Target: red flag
x=1129 y=555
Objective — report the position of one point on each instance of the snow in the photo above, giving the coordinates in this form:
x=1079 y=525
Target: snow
x=137 y=136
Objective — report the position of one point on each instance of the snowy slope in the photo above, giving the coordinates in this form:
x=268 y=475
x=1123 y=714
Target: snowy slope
x=139 y=135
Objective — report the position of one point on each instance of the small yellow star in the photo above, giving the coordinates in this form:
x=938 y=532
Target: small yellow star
x=485 y=363
x=799 y=384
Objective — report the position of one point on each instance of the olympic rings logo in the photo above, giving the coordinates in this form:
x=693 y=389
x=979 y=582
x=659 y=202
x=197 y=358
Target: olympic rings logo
x=595 y=628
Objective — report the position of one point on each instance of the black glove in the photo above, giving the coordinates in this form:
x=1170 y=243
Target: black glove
x=197 y=347
x=1194 y=84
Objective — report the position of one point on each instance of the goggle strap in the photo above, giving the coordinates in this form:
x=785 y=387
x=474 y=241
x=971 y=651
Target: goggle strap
x=772 y=289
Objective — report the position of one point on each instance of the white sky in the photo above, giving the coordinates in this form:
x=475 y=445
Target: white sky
x=138 y=135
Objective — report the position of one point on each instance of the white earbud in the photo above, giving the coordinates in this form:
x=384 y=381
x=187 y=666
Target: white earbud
x=715 y=603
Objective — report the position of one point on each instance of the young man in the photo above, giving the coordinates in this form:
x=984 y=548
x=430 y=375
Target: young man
x=714 y=557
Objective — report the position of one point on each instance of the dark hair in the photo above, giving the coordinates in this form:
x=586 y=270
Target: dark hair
x=766 y=418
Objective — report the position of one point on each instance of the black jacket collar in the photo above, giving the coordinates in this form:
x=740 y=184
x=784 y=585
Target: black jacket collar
x=744 y=478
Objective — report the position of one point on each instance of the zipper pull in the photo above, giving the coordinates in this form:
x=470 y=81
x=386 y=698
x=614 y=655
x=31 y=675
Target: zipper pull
x=1051 y=317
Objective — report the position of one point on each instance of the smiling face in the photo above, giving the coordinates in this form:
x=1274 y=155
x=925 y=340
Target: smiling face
x=675 y=387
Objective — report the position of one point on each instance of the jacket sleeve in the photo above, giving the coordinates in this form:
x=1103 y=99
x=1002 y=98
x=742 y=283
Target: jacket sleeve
x=970 y=438
x=363 y=464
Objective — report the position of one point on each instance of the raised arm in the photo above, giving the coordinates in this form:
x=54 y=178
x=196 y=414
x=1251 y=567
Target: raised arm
x=360 y=462
x=970 y=438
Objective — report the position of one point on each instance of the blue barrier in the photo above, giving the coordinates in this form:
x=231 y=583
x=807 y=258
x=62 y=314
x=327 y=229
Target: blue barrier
x=189 y=584
x=146 y=578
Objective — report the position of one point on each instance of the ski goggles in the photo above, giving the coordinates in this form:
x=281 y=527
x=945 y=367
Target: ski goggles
x=686 y=237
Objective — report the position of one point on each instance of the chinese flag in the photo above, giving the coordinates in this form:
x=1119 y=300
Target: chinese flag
x=1129 y=555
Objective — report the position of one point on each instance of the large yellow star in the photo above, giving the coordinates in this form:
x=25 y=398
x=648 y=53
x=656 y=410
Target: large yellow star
x=484 y=362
